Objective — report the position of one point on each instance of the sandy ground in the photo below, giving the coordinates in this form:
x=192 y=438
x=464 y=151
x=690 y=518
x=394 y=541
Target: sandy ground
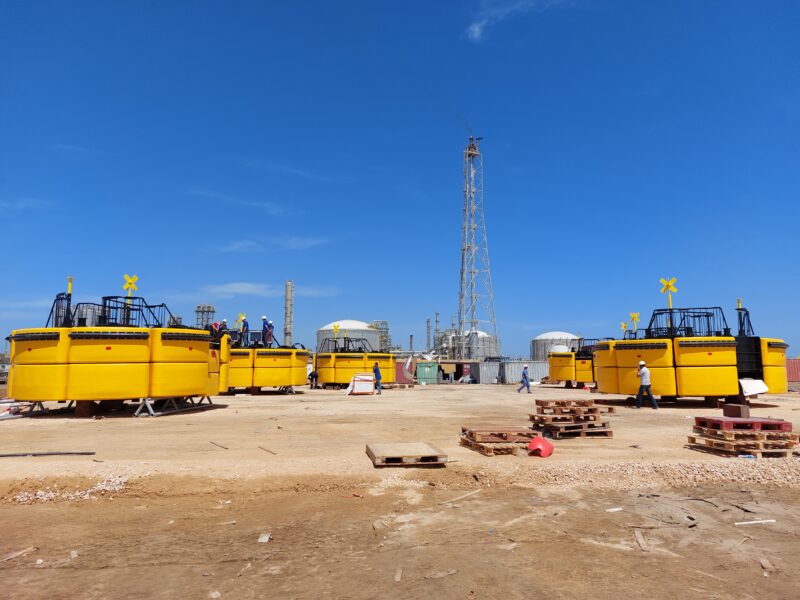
x=161 y=512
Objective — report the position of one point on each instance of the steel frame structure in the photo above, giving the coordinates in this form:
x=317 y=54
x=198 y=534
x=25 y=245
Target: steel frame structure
x=475 y=294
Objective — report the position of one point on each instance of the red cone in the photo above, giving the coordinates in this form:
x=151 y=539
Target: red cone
x=541 y=446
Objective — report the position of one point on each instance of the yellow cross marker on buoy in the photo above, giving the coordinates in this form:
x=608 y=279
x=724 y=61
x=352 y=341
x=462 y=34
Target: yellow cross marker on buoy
x=668 y=287
x=335 y=331
x=624 y=326
x=130 y=283
x=241 y=318
x=634 y=320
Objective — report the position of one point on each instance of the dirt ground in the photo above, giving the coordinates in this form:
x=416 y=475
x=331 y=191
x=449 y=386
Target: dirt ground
x=161 y=512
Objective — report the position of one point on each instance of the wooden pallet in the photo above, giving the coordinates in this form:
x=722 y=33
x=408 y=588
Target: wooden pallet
x=553 y=403
x=747 y=435
x=488 y=434
x=578 y=426
x=742 y=424
x=567 y=410
x=494 y=448
x=756 y=453
x=585 y=429
x=546 y=419
x=743 y=445
x=415 y=454
x=559 y=435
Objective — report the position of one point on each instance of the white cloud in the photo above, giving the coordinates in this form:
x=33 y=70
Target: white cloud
x=242 y=288
x=264 y=290
x=38 y=303
x=316 y=292
x=495 y=11
x=72 y=148
x=294 y=243
x=271 y=208
x=242 y=246
x=298 y=243
x=475 y=30
x=261 y=164
x=22 y=204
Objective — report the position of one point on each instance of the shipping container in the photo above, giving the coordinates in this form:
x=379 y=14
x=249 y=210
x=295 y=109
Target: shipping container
x=486 y=372
x=511 y=370
x=428 y=372
x=401 y=374
x=793 y=369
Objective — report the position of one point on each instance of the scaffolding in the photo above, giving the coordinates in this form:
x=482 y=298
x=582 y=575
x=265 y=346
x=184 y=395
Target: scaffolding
x=384 y=337
x=205 y=315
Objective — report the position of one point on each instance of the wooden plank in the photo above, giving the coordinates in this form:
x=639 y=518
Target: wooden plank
x=491 y=449
x=552 y=403
x=742 y=424
x=489 y=433
x=745 y=445
x=756 y=453
x=645 y=547
x=744 y=435
x=405 y=454
x=558 y=435
x=565 y=418
x=19 y=553
x=578 y=426
x=574 y=410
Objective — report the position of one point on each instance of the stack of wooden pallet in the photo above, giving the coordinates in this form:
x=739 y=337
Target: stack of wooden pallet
x=732 y=436
x=572 y=418
x=492 y=441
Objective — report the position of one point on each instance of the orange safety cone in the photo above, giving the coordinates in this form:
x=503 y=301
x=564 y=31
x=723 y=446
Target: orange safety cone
x=541 y=446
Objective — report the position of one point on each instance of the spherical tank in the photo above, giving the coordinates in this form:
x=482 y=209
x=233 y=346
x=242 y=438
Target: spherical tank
x=541 y=345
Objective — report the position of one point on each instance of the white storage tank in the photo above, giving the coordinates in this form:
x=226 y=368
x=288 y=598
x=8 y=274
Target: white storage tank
x=352 y=329
x=543 y=343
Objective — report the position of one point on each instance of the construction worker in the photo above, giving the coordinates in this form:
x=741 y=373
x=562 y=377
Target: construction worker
x=526 y=381
x=376 y=371
x=267 y=329
x=643 y=373
x=245 y=330
x=223 y=327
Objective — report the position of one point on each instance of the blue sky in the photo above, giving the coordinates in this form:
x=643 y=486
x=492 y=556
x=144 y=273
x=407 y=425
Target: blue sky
x=218 y=149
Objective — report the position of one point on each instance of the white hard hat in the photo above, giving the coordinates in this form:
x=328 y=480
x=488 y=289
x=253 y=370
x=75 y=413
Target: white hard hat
x=270 y=322
x=263 y=317
x=642 y=363
x=224 y=320
x=526 y=366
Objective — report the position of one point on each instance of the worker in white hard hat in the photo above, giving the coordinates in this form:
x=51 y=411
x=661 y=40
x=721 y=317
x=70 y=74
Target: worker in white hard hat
x=526 y=381
x=223 y=326
x=267 y=329
x=244 y=332
x=643 y=373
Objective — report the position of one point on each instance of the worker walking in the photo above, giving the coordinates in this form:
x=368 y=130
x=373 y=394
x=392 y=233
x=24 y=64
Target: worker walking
x=526 y=381
x=644 y=385
x=376 y=370
x=245 y=332
x=267 y=329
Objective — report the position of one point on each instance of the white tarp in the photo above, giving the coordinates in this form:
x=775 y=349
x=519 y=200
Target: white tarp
x=753 y=387
x=361 y=384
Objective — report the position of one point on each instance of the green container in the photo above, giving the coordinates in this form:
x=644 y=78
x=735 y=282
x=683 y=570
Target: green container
x=427 y=372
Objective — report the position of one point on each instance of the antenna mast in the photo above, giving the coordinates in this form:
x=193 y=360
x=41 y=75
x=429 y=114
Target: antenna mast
x=475 y=294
